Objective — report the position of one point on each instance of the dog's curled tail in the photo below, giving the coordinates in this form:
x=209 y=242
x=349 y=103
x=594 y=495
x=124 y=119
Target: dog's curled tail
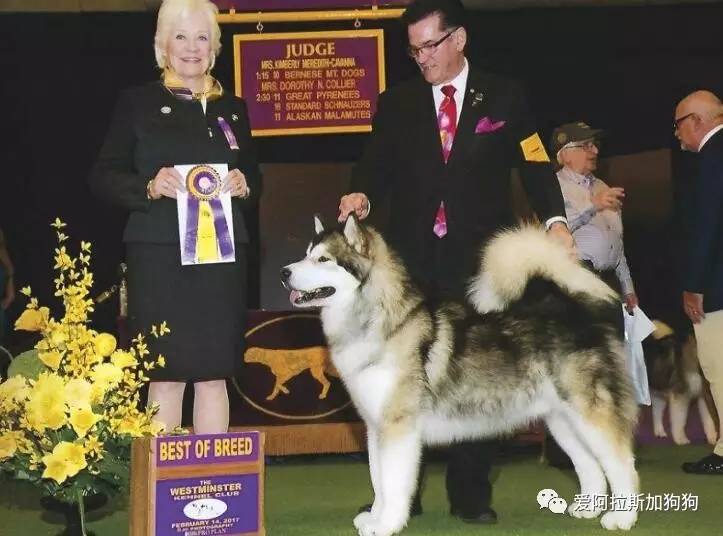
x=513 y=257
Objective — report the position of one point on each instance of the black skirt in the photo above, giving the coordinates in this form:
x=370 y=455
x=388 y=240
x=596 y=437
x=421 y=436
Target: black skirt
x=203 y=305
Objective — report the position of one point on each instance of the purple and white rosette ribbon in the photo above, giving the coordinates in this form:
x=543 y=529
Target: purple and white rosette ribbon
x=204 y=186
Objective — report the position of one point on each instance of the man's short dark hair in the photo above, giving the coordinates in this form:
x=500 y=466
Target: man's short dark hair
x=451 y=12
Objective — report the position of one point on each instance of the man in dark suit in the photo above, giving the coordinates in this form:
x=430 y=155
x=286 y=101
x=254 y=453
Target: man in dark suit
x=441 y=151
x=698 y=122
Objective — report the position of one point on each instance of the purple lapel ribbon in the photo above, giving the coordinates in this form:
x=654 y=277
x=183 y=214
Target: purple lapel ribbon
x=230 y=138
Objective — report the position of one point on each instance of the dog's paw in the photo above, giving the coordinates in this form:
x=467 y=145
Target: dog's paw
x=660 y=433
x=581 y=511
x=376 y=527
x=711 y=439
x=362 y=520
x=619 y=520
x=681 y=439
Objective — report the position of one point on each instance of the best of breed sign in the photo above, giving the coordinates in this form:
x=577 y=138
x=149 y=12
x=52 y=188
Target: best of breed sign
x=200 y=485
x=310 y=82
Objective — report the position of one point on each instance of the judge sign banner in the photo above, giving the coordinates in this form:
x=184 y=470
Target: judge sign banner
x=310 y=82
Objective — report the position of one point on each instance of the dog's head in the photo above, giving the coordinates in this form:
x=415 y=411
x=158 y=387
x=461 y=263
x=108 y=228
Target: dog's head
x=337 y=262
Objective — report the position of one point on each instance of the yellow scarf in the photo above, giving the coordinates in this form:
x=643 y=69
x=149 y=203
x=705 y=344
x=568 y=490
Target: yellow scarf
x=211 y=87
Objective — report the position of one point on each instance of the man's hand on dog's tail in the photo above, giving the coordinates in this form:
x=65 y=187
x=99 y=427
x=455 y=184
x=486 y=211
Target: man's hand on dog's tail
x=358 y=203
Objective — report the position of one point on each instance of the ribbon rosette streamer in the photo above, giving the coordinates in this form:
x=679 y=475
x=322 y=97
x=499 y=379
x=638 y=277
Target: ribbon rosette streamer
x=207 y=233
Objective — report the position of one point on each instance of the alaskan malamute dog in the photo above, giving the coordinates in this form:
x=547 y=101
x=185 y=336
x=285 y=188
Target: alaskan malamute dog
x=535 y=341
x=675 y=379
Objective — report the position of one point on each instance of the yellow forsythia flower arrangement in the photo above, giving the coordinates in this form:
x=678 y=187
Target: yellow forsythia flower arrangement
x=70 y=428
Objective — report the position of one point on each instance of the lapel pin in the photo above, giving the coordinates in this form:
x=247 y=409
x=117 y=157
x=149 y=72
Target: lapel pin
x=166 y=110
x=478 y=97
x=234 y=117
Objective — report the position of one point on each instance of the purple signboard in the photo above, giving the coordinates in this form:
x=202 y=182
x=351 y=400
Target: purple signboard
x=293 y=5
x=310 y=82
x=234 y=447
x=207 y=506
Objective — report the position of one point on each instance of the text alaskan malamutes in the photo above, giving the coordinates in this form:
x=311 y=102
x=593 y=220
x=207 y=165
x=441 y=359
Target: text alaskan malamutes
x=535 y=341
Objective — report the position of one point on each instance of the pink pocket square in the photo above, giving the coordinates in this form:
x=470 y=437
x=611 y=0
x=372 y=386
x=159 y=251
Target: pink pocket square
x=486 y=125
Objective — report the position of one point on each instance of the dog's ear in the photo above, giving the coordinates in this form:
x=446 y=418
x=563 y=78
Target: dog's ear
x=353 y=233
x=318 y=225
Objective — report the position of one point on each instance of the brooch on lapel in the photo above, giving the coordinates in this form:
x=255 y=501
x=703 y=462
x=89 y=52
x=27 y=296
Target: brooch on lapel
x=166 y=110
x=478 y=97
x=234 y=117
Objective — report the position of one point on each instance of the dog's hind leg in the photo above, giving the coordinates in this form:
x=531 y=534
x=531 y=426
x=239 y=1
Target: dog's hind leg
x=611 y=445
x=679 y=406
x=590 y=474
x=394 y=468
x=706 y=419
x=658 y=402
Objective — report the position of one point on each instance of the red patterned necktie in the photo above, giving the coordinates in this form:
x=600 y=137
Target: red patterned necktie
x=447 y=120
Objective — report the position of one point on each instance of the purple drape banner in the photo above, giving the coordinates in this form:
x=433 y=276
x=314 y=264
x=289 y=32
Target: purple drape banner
x=310 y=82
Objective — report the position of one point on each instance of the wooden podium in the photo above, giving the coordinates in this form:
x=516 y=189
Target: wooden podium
x=198 y=485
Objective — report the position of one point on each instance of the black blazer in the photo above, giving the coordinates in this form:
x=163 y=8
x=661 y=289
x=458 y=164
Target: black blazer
x=704 y=267
x=151 y=129
x=403 y=161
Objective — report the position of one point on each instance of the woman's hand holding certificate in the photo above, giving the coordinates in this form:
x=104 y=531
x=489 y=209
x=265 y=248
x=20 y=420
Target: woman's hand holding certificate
x=167 y=182
x=235 y=184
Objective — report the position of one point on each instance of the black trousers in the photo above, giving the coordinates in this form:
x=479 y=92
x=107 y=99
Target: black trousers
x=468 y=463
x=468 y=477
x=553 y=452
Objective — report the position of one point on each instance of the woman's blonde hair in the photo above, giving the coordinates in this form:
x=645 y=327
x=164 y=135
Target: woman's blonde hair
x=170 y=12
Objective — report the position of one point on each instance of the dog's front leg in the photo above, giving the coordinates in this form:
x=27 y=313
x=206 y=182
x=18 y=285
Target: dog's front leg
x=374 y=472
x=364 y=518
x=658 y=404
x=397 y=462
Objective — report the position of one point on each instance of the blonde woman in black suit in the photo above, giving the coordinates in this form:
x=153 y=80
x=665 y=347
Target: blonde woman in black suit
x=184 y=118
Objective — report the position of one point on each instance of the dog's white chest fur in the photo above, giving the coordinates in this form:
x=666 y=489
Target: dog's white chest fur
x=369 y=385
x=370 y=390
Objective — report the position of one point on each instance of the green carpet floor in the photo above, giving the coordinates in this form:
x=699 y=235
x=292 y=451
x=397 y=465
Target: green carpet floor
x=318 y=496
